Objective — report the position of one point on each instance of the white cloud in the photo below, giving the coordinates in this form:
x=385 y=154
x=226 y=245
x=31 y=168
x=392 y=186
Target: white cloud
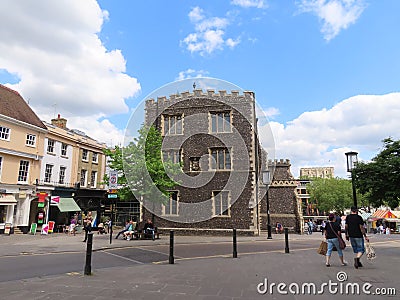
x=53 y=47
x=320 y=138
x=232 y=43
x=209 y=33
x=250 y=3
x=196 y=14
x=271 y=112
x=335 y=15
x=101 y=130
x=190 y=73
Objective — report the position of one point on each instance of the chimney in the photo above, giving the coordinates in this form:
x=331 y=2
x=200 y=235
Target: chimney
x=59 y=122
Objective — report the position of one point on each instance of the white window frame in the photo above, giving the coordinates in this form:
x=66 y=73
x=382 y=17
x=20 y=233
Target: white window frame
x=215 y=159
x=85 y=155
x=48 y=173
x=93 y=179
x=30 y=140
x=95 y=157
x=50 y=146
x=218 y=205
x=83 y=180
x=23 y=167
x=61 y=175
x=1 y=164
x=5 y=133
x=64 y=149
x=221 y=122
x=169 y=207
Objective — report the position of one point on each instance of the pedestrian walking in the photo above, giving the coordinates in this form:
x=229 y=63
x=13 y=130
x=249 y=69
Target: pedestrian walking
x=87 y=225
x=332 y=233
x=323 y=225
x=355 y=232
x=310 y=226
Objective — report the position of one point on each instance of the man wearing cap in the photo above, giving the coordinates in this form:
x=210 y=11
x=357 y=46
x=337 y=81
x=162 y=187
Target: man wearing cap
x=356 y=233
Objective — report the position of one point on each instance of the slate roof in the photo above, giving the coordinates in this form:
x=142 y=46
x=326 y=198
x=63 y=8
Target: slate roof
x=14 y=106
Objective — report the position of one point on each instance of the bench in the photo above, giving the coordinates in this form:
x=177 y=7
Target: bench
x=140 y=235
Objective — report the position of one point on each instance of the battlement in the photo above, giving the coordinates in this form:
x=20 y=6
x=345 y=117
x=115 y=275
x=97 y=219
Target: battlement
x=281 y=162
x=234 y=96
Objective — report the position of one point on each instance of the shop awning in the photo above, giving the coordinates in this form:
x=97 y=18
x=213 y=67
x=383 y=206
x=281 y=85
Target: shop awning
x=7 y=199
x=68 y=204
x=365 y=215
x=393 y=220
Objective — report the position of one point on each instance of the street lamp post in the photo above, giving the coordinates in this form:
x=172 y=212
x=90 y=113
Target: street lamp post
x=352 y=160
x=266 y=176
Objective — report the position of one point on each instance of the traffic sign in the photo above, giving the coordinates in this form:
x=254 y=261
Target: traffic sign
x=113 y=191
x=113 y=180
x=112 y=196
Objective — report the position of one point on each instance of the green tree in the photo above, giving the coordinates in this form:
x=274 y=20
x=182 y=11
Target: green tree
x=379 y=180
x=115 y=163
x=141 y=169
x=331 y=194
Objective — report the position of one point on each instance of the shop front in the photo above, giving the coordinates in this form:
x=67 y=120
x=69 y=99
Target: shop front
x=7 y=205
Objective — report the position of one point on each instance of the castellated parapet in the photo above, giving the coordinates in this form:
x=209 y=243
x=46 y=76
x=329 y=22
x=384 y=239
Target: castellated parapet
x=233 y=97
x=243 y=103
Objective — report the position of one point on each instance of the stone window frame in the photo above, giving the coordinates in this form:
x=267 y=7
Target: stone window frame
x=218 y=194
x=174 y=153
x=227 y=150
x=192 y=160
x=30 y=140
x=169 y=117
x=170 y=204
x=213 y=117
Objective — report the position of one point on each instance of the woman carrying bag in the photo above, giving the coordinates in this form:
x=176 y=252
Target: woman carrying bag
x=332 y=233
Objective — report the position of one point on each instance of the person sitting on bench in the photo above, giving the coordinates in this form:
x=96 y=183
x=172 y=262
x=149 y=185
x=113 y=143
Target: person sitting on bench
x=123 y=230
x=149 y=229
x=130 y=233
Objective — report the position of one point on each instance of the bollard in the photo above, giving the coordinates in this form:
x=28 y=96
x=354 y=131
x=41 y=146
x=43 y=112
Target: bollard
x=234 y=244
x=171 y=247
x=111 y=231
x=269 y=232
x=286 y=240
x=88 y=265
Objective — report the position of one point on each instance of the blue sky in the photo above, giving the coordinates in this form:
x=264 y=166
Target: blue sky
x=326 y=72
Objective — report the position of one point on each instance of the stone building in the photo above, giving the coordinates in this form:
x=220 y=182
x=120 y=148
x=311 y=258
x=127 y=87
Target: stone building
x=320 y=172
x=213 y=136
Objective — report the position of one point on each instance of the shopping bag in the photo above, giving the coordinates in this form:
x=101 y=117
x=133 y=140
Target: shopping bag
x=370 y=251
x=323 y=247
x=342 y=243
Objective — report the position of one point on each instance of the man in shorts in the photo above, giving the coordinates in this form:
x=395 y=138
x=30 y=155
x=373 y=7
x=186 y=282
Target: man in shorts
x=355 y=232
